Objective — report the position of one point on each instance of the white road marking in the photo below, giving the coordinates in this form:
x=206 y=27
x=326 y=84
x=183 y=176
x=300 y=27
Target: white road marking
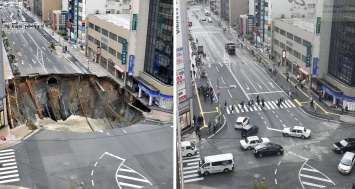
x=92 y=172
x=9 y=176
x=8 y=168
x=292 y=115
x=300 y=123
x=193 y=180
x=129 y=185
x=6 y=154
x=279 y=163
x=132 y=178
x=8 y=160
x=312 y=170
x=266 y=92
x=223 y=80
x=124 y=131
x=313 y=185
x=192 y=167
x=227 y=111
x=275 y=171
x=247 y=86
x=296 y=119
x=230 y=93
x=108 y=133
x=192 y=175
x=280 y=120
x=283 y=125
x=298 y=156
x=274 y=129
x=288 y=111
x=92 y=182
x=277 y=116
x=31 y=66
x=9 y=180
x=259 y=85
x=316 y=178
x=7 y=164
x=267 y=106
x=262 y=117
x=275 y=181
x=275 y=104
x=265 y=122
x=191 y=160
x=220 y=64
x=217 y=69
x=249 y=80
x=8 y=172
x=272 y=106
x=95 y=164
x=7 y=157
x=193 y=163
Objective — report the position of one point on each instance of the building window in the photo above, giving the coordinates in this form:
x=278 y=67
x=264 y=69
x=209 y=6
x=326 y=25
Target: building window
x=113 y=36
x=105 y=32
x=97 y=42
x=290 y=50
x=119 y=56
x=277 y=29
x=289 y=35
x=306 y=43
x=112 y=51
x=90 y=38
x=91 y=25
x=121 y=40
x=282 y=45
x=303 y=58
x=297 y=54
x=104 y=46
x=297 y=39
x=282 y=32
x=276 y=42
x=98 y=29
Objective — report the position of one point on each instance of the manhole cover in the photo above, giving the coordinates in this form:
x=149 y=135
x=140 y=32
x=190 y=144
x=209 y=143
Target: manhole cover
x=72 y=177
x=66 y=163
x=161 y=167
x=256 y=175
x=250 y=162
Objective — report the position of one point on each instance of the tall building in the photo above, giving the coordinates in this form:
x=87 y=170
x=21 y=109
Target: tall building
x=231 y=10
x=340 y=80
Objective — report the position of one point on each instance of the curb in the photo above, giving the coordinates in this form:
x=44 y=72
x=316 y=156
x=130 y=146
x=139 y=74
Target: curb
x=20 y=140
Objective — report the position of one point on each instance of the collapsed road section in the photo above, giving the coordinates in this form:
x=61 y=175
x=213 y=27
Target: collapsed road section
x=59 y=97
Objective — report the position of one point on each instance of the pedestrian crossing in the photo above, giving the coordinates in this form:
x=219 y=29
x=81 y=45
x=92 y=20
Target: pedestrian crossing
x=205 y=32
x=8 y=167
x=208 y=26
x=190 y=169
x=312 y=178
x=269 y=105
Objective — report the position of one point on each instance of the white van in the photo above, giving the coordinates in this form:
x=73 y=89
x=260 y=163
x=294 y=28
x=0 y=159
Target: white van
x=188 y=149
x=216 y=163
x=209 y=19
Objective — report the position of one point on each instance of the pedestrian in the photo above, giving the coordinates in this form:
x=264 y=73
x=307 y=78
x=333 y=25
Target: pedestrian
x=249 y=103
x=289 y=93
x=353 y=186
x=232 y=108
x=236 y=102
x=311 y=102
x=209 y=126
x=214 y=128
x=225 y=104
x=258 y=101
x=278 y=64
x=194 y=73
x=211 y=98
x=199 y=136
x=194 y=119
x=242 y=104
x=193 y=66
x=320 y=97
x=278 y=103
x=262 y=103
x=257 y=98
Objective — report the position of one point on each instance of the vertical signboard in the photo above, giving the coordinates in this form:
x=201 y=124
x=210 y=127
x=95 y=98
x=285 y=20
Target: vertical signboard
x=124 y=52
x=130 y=66
x=134 y=22
x=180 y=77
x=308 y=56
x=318 y=25
x=160 y=22
x=75 y=25
x=315 y=66
x=261 y=26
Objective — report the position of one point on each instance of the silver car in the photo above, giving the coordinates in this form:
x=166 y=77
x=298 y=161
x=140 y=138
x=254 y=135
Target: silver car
x=346 y=163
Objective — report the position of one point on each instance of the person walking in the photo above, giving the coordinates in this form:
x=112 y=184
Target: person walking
x=225 y=105
x=311 y=102
x=257 y=98
x=236 y=102
x=262 y=103
x=320 y=97
x=211 y=98
x=214 y=128
x=242 y=104
x=232 y=109
x=209 y=126
x=258 y=101
x=194 y=119
x=199 y=136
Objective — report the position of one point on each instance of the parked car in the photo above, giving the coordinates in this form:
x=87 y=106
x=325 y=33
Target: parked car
x=268 y=150
x=203 y=19
x=249 y=130
x=14 y=22
x=297 y=131
x=346 y=163
x=251 y=142
x=241 y=122
x=344 y=145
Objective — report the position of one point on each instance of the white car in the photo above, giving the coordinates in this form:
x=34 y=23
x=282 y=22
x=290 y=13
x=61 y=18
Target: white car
x=241 y=122
x=297 y=131
x=346 y=163
x=203 y=19
x=14 y=22
x=251 y=142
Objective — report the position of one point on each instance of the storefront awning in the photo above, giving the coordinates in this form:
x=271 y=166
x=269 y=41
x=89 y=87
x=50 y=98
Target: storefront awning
x=303 y=71
x=331 y=89
x=119 y=69
x=146 y=87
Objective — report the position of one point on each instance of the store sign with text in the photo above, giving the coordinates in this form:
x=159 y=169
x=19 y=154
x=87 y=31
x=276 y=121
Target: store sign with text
x=182 y=95
x=180 y=77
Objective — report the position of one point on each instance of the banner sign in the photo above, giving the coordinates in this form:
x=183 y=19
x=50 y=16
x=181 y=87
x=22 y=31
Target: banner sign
x=124 y=52
x=182 y=95
x=179 y=55
x=318 y=25
x=308 y=56
x=180 y=77
x=130 y=66
x=315 y=66
x=134 y=22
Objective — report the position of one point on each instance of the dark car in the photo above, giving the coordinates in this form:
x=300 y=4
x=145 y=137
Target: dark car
x=249 y=130
x=268 y=149
x=345 y=145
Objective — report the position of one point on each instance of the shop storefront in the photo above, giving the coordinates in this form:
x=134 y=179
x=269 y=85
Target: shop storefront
x=147 y=93
x=165 y=102
x=185 y=118
x=119 y=72
x=303 y=74
x=132 y=84
x=331 y=94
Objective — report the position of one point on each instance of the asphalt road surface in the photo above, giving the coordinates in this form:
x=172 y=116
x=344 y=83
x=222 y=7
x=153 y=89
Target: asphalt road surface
x=135 y=156
x=300 y=166
x=34 y=56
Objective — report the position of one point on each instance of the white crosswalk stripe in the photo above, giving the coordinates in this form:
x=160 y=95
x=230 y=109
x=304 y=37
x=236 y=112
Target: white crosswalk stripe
x=190 y=169
x=8 y=167
x=269 y=105
x=205 y=32
x=125 y=176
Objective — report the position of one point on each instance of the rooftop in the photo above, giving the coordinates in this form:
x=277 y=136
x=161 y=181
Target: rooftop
x=122 y=20
x=303 y=23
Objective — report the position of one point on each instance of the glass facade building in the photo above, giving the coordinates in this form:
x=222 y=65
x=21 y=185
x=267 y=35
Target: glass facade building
x=342 y=43
x=159 y=45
